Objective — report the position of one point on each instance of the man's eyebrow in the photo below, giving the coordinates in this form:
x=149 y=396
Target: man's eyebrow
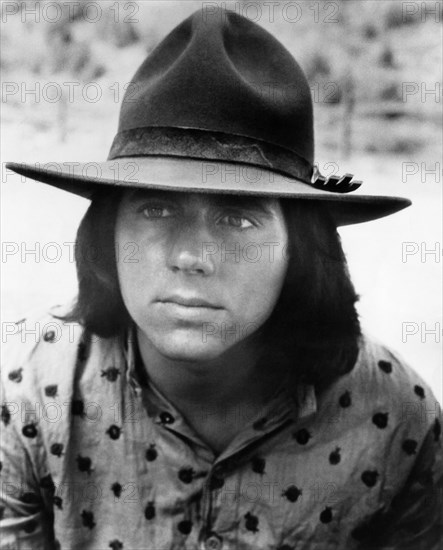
x=259 y=204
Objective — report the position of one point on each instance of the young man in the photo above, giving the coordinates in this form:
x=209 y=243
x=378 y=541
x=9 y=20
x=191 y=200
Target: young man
x=210 y=388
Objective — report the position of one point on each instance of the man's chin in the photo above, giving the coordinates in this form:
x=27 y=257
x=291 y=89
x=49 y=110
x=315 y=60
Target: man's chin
x=190 y=350
x=186 y=355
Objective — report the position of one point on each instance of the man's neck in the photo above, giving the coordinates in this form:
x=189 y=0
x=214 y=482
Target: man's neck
x=216 y=387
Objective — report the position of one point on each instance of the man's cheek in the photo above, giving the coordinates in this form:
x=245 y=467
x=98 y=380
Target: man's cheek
x=132 y=285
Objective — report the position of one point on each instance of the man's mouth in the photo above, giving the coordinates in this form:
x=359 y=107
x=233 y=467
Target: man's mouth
x=189 y=301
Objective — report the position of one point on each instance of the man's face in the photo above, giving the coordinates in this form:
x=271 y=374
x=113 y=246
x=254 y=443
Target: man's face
x=199 y=272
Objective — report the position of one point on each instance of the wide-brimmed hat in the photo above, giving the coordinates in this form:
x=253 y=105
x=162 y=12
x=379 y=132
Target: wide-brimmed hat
x=219 y=106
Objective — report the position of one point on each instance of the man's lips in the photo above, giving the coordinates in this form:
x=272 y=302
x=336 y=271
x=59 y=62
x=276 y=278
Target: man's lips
x=189 y=301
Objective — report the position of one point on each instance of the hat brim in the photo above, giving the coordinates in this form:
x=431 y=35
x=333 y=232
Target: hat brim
x=205 y=176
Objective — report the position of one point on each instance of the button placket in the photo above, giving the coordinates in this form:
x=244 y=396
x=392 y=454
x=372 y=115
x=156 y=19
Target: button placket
x=211 y=541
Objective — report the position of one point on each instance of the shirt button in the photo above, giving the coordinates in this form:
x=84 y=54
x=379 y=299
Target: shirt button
x=214 y=542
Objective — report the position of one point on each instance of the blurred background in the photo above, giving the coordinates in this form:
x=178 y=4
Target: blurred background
x=375 y=75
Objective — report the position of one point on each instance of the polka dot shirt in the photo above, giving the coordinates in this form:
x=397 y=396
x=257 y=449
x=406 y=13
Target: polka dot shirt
x=92 y=458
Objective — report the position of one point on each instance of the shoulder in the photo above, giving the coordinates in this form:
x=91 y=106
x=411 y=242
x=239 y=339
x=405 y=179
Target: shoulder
x=50 y=370
x=384 y=382
x=35 y=348
x=386 y=372
x=47 y=356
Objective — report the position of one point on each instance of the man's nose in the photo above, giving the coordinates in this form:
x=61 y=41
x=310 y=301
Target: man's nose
x=187 y=251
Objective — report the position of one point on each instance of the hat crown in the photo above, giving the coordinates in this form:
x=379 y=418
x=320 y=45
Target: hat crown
x=219 y=72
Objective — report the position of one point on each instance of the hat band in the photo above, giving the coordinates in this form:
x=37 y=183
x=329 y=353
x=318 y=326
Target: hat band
x=215 y=146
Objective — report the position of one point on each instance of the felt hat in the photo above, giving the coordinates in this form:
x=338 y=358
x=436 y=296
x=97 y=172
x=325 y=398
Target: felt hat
x=219 y=106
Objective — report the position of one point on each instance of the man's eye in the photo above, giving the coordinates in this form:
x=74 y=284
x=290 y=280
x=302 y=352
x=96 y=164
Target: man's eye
x=239 y=222
x=156 y=212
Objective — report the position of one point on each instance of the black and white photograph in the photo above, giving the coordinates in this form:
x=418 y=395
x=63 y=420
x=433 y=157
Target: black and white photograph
x=221 y=275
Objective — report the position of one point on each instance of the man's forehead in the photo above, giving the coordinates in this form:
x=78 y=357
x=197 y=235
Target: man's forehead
x=210 y=199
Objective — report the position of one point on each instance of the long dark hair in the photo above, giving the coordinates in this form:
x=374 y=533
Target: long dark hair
x=314 y=328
